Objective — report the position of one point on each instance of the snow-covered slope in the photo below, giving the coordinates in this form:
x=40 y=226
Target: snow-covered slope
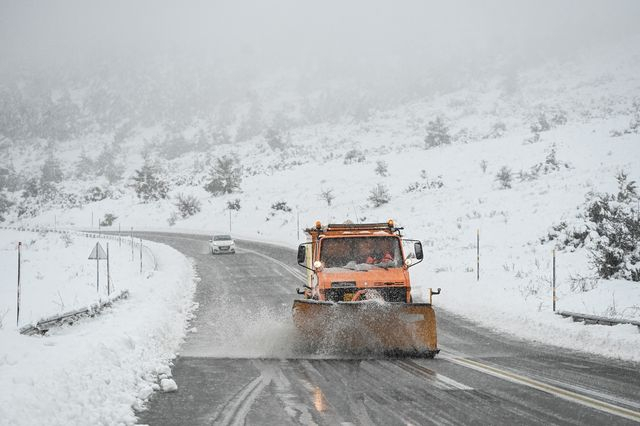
x=99 y=369
x=572 y=120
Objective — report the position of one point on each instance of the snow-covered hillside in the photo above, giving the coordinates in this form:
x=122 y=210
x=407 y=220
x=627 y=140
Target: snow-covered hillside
x=556 y=133
x=98 y=370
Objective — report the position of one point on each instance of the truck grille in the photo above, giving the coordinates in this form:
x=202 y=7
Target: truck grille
x=389 y=294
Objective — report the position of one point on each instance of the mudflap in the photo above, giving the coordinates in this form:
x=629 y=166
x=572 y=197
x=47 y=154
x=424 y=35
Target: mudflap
x=370 y=327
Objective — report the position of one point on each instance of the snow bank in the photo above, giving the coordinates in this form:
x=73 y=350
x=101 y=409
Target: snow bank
x=99 y=369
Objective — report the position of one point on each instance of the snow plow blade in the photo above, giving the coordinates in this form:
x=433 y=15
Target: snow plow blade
x=368 y=327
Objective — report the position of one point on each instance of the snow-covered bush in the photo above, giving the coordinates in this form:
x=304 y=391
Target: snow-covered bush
x=51 y=170
x=109 y=163
x=225 y=176
x=437 y=134
x=148 y=183
x=327 y=196
x=5 y=205
x=382 y=169
x=497 y=130
x=278 y=207
x=379 y=195
x=541 y=124
x=9 y=179
x=187 y=205
x=97 y=194
x=504 y=177
x=425 y=183
x=274 y=139
x=354 y=156
x=609 y=228
x=234 y=204
x=108 y=220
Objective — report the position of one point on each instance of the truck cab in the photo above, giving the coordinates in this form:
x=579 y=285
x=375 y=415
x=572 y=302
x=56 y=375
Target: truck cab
x=352 y=262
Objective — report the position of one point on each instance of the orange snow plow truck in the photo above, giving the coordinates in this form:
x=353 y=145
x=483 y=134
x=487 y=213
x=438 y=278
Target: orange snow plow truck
x=358 y=292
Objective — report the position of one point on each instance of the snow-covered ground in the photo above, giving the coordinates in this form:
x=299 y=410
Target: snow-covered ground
x=588 y=101
x=96 y=371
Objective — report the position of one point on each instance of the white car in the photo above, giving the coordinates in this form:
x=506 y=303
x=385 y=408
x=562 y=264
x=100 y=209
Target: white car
x=222 y=244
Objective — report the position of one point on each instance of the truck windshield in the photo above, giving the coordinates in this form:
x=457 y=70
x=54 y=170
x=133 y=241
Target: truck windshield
x=360 y=253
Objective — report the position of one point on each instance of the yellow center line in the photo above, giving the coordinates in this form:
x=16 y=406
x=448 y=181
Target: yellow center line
x=544 y=387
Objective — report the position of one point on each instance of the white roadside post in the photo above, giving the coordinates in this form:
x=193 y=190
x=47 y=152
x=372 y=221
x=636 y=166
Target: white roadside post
x=18 y=308
x=108 y=274
x=141 y=255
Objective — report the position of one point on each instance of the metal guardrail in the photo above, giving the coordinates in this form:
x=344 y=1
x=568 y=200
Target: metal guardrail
x=594 y=319
x=42 y=326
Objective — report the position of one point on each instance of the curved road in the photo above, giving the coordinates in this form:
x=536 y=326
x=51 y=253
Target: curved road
x=243 y=363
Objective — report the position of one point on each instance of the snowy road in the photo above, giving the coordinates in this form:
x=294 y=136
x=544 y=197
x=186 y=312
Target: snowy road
x=242 y=364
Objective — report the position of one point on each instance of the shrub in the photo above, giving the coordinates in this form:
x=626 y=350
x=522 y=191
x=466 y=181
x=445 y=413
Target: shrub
x=483 y=165
x=279 y=206
x=425 y=183
x=609 y=228
x=148 y=184
x=187 y=205
x=51 y=170
x=173 y=218
x=225 y=176
x=354 y=156
x=327 y=196
x=437 y=134
x=379 y=195
x=381 y=168
x=108 y=219
x=504 y=177
x=541 y=124
x=97 y=194
x=5 y=205
x=274 y=139
x=234 y=205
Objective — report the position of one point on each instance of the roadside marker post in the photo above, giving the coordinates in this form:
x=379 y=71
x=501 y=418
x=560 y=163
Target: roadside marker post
x=108 y=274
x=97 y=253
x=18 y=302
x=141 y=255
x=554 y=280
x=478 y=255
x=131 y=236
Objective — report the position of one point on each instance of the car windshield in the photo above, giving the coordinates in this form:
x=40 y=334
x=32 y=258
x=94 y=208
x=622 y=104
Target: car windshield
x=360 y=253
x=221 y=237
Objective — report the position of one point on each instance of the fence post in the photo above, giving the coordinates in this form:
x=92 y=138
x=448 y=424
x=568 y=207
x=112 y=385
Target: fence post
x=554 y=280
x=229 y=220
x=108 y=273
x=18 y=301
x=119 y=237
x=478 y=255
x=131 y=236
x=141 y=255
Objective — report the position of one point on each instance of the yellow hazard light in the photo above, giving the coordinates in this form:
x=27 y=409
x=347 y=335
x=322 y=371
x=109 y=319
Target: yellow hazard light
x=318 y=224
x=390 y=223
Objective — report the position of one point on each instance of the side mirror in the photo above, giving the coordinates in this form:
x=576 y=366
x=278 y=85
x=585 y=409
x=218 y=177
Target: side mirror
x=302 y=254
x=417 y=248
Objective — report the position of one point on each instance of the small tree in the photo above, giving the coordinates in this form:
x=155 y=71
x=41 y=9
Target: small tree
x=234 y=205
x=225 y=176
x=187 y=205
x=437 y=134
x=85 y=166
x=327 y=196
x=274 y=139
x=148 y=184
x=5 y=205
x=108 y=219
x=483 y=166
x=354 y=156
x=379 y=195
x=504 y=177
x=51 y=170
x=382 y=169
